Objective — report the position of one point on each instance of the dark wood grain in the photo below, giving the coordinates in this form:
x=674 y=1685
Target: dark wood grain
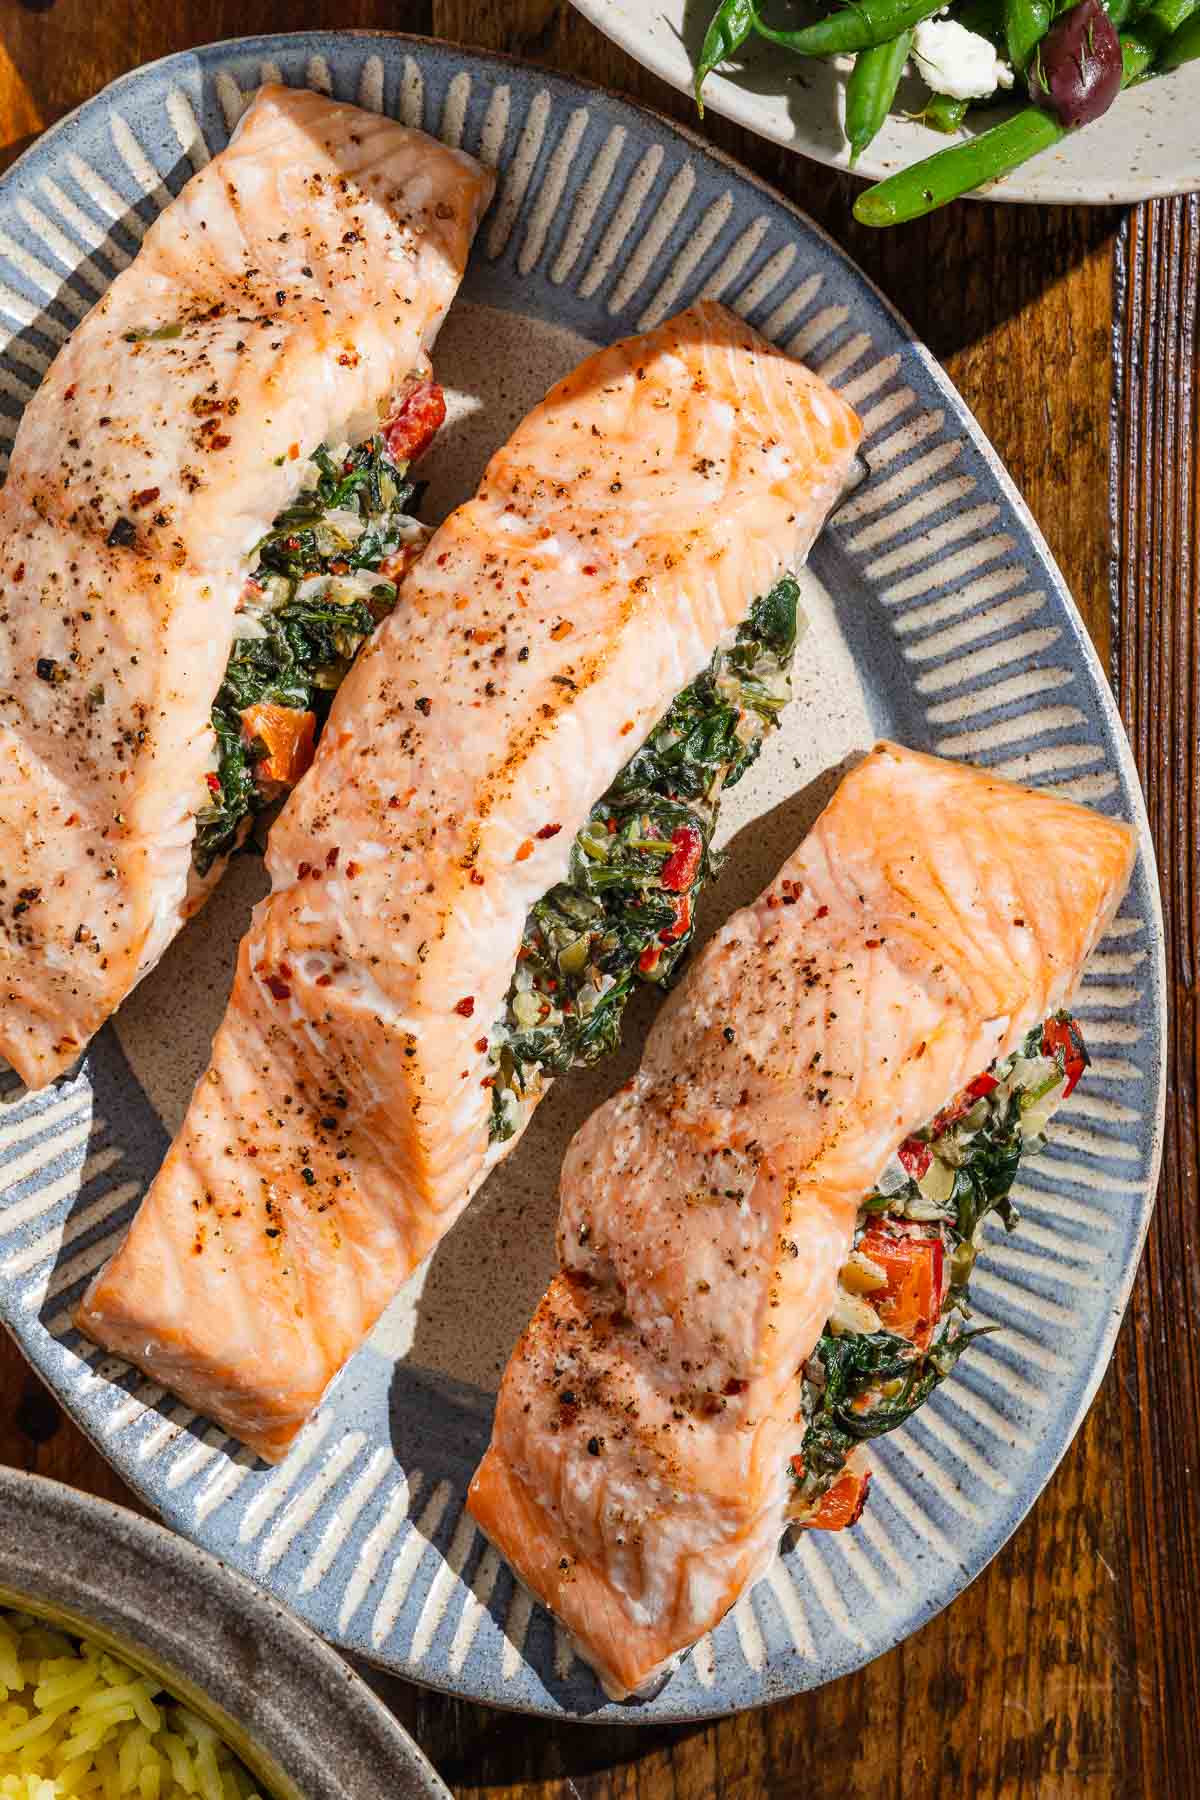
x=1156 y=507
x=1072 y=1666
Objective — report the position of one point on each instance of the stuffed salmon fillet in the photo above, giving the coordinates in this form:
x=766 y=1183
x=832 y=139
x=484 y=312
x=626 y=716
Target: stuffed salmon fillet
x=765 y=1236
x=349 y=1114
x=287 y=299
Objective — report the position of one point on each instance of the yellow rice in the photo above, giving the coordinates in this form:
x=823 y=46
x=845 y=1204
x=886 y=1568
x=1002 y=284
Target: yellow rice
x=75 y=1721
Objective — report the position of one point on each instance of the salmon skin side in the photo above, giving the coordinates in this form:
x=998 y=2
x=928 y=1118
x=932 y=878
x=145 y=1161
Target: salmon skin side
x=628 y=524
x=279 y=302
x=637 y=1479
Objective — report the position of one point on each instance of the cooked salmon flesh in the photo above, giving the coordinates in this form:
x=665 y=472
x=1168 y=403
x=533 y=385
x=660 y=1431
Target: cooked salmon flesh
x=641 y=1468
x=343 y=1124
x=282 y=301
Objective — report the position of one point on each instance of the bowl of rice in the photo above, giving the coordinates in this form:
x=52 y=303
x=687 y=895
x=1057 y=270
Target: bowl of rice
x=134 y=1666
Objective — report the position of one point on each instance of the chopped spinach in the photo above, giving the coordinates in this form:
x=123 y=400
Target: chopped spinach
x=304 y=541
x=715 y=728
x=982 y=1184
x=860 y=1386
x=236 y=794
x=626 y=911
x=307 y=643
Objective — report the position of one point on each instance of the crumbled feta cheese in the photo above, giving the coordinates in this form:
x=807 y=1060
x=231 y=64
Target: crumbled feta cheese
x=958 y=62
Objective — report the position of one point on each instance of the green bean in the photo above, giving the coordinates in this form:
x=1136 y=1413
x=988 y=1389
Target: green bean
x=871 y=90
x=944 y=113
x=946 y=174
x=1149 y=35
x=1026 y=23
x=919 y=189
x=860 y=26
x=731 y=25
x=1183 y=47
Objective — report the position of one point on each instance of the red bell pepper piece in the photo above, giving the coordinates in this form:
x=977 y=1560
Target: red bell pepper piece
x=1062 y=1039
x=911 y=1303
x=915 y=1156
x=288 y=736
x=679 y=870
x=962 y=1104
x=840 y=1505
x=416 y=422
x=683 y=918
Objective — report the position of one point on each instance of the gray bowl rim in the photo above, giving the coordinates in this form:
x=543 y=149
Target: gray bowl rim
x=319 y=1733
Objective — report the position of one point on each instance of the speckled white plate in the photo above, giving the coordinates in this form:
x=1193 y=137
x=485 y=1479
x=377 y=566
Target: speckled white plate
x=936 y=616
x=1147 y=144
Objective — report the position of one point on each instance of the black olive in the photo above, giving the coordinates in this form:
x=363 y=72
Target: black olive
x=122 y=533
x=1075 y=72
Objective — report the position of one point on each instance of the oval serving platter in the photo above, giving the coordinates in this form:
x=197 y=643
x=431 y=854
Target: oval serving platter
x=936 y=615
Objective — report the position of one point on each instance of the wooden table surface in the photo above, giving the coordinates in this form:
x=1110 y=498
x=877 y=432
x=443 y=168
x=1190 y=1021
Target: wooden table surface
x=1072 y=1666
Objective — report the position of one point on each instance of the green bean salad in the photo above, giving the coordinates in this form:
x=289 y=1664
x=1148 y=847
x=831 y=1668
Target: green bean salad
x=1063 y=64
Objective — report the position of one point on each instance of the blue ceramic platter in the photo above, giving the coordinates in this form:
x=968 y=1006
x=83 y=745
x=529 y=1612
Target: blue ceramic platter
x=936 y=616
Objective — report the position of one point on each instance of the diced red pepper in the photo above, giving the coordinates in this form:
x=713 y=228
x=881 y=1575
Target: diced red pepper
x=416 y=422
x=842 y=1504
x=911 y=1303
x=683 y=918
x=961 y=1105
x=214 y=783
x=649 y=959
x=915 y=1156
x=679 y=870
x=1063 y=1038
